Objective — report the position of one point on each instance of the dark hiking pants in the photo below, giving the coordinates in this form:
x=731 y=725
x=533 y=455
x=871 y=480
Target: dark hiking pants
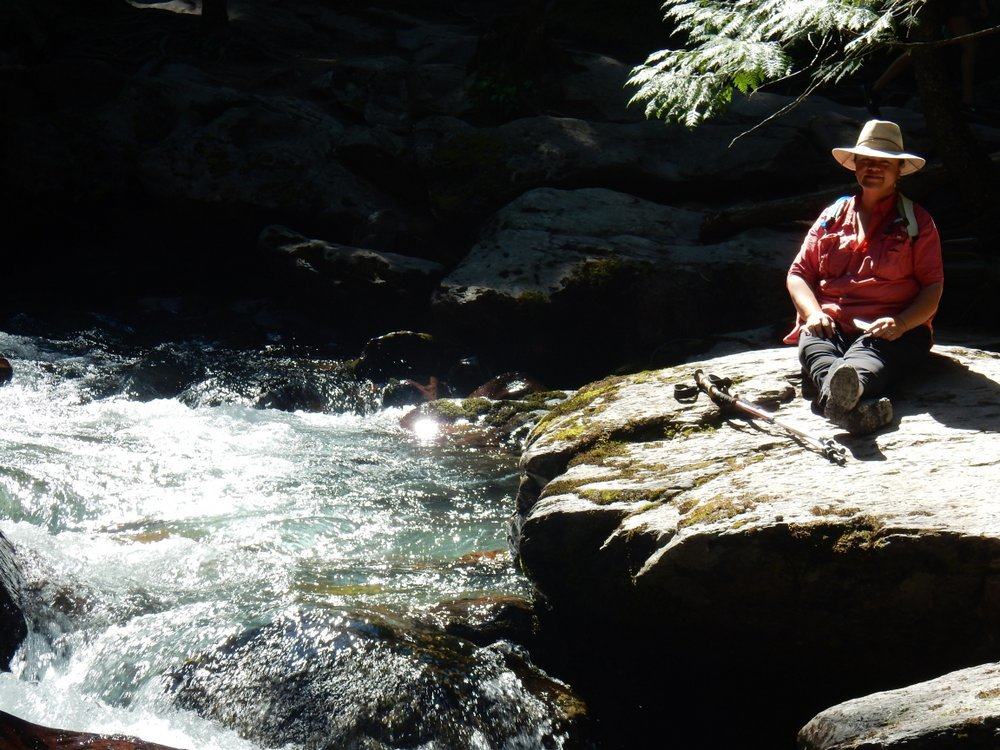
x=878 y=361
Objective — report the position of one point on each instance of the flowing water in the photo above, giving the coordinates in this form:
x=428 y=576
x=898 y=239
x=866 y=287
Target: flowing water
x=158 y=510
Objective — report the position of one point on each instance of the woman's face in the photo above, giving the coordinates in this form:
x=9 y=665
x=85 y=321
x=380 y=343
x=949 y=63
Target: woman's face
x=877 y=175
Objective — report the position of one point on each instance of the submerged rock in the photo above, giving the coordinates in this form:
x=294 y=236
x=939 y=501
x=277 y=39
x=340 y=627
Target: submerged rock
x=13 y=628
x=959 y=711
x=6 y=371
x=17 y=734
x=488 y=619
x=330 y=680
x=730 y=553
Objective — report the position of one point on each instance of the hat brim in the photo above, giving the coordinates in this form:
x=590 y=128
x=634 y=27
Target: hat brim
x=911 y=162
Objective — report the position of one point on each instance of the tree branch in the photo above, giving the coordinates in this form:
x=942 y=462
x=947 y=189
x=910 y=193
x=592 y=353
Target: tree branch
x=775 y=115
x=946 y=42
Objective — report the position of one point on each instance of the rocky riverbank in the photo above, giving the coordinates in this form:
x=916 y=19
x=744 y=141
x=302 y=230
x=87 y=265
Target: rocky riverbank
x=382 y=167
x=720 y=584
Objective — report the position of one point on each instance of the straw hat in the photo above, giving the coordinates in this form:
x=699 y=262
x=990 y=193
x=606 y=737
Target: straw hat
x=881 y=139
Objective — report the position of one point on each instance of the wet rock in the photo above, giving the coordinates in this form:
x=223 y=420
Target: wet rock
x=163 y=372
x=331 y=680
x=957 y=711
x=560 y=272
x=402 y=354
x=13 y=628
x=6 y=371
x=507 y=420
x=509 y=385
x=17 y=734
x=731 y=553
x=402 y=393
x=488 y=619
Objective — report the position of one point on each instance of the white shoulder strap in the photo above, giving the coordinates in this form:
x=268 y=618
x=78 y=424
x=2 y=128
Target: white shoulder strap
x=905 y=208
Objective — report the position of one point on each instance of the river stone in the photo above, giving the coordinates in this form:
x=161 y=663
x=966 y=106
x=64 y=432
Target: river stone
x=958 y=711
x=6 y=371
x=730 y=552
x=13 y=628
x=355 y=274
x=472 y=171
x=330 y=681
x=17 y=734
x=557 y=272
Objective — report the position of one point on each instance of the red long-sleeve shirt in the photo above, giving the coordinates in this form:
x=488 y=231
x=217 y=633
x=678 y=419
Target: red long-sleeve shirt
x=877 y=277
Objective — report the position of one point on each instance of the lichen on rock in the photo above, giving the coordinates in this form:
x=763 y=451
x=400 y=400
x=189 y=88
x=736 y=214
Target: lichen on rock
x=758 y=555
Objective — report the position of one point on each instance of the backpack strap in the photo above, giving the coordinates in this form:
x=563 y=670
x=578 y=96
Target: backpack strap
x=837 y=210
x=904 y=206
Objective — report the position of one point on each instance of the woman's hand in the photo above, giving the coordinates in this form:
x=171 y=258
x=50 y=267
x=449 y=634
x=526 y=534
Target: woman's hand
x=820 y=324
x=889 y=329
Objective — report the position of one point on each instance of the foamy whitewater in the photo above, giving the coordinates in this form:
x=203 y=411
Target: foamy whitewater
x=151 y=530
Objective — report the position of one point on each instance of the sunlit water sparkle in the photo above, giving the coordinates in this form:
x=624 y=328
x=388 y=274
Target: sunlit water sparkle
x=151 y=530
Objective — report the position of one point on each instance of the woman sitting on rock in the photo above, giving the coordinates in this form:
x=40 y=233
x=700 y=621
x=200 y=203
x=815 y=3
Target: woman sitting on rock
x=866 y=284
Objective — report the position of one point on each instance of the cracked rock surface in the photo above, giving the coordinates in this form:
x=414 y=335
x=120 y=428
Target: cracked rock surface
x=729 y=552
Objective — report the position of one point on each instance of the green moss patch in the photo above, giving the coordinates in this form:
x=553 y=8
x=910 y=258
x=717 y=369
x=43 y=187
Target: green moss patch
x=716 y=509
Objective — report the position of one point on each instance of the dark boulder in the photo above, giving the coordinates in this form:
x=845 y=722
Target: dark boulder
x=6 y=371
x=332 y=680
x=18 y=734
x=375 y=289
x=12 y=625
x=402 y=354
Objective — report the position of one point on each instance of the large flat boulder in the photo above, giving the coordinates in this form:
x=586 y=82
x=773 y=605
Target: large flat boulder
x=958 y=711
x=560 y=271
x=729 y=552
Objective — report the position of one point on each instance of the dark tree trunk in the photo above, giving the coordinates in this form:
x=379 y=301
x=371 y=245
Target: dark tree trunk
x=214 y=15
x=967 y=163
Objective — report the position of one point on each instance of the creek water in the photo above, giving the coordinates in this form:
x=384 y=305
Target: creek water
x=158 y=510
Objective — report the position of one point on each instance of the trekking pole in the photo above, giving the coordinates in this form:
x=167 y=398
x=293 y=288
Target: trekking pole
x=718 y=390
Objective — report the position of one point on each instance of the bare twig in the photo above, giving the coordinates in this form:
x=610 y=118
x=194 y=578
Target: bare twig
x=775 y=115
x=951 y=40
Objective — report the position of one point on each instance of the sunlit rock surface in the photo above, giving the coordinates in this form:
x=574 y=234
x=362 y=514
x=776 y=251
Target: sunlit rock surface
x=17 y=734
x=557 y=270
x=957 y=711
x=12 y=625
x=343 y=680
x=731 y=553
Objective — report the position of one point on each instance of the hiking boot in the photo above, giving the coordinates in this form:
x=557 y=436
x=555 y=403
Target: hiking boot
x=844 y=391
x=867 y=417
